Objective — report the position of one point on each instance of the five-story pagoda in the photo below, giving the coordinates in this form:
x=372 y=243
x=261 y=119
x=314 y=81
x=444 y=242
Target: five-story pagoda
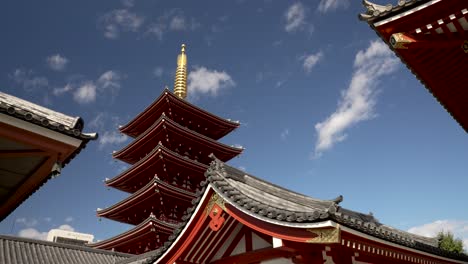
x=172 y=140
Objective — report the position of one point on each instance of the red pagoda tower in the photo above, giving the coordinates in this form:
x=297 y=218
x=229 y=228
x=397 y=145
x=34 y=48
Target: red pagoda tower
x=172 y=141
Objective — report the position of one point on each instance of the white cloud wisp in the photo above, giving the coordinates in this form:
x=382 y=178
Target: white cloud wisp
x=330 y=5
x=111 y=138
x=358 y=100
x=57 y=62
x=295 y=17
x=119 y=20
x=205 y=81
x=309 y=61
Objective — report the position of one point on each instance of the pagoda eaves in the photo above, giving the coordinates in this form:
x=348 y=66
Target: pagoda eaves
x=163 y=130
x=160 y=162
x=149 y=234
x=139 y=205
x=181 y=111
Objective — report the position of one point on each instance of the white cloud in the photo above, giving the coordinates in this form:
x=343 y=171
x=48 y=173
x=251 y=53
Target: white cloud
x=32 y=233
x=156 y=29
x=158 y=72
x=177 y=23
x=27 y=222
x=119 y=20
x=66 y=228
x=330 y=5
x=128 y=3
x=284 y=134
x=69 y=219
x=205 y=81
x=28 y=80
x=111 y=138
x=309 y=61
x=172 y=20
x=62 y=90
x=110 y=80
x=295 y=17
x=86 y=93
x=57 y=62
x=458 y=227
x=98 y=121
x=358 y=100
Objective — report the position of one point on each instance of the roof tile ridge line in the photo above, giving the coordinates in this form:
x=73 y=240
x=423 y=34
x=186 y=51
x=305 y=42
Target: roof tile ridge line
x=387 y=234
x=40 y=108
x=62 y=245
x=217 y=173
x=234 y=124
x=414 y=73
x=45 y=123
x=149 y=156
x=376 y=11
x=132 y=196
x=148 y=220
x=370 y=228
x=164 y=118
x=335 y=200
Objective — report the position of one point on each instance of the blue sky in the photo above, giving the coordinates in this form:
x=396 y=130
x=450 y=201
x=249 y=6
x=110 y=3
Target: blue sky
x=325 y=107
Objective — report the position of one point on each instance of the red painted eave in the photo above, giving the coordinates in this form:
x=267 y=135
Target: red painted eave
x=436 y=55
x=144 y=199
x=164 y=127
x=168 y=102
x=153 y=164
x=146 y=229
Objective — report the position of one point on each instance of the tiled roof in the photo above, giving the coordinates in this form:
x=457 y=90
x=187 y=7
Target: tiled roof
x=36 y=114
x=287 y=207
x=16 y=250
x=378 y=12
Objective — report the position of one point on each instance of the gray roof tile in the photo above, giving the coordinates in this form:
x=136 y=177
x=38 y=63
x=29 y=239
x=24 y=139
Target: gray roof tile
x=16 y=250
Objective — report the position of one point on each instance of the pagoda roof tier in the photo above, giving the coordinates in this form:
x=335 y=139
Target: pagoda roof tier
x=156 y=197
x=182 y=112
x=430 y=37
x=167 y=165
x=148 y=235
x=179 y=139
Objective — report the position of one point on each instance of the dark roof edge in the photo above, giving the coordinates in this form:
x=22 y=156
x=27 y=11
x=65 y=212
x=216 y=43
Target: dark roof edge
x=72 y=128
x=66 y=246
x=150 y=218
x=371 y=24
x=376 y=12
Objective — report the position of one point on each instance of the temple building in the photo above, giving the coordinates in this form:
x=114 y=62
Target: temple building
x=189 y=206
x=431 y=38
x=172 y=141
x=35 y=144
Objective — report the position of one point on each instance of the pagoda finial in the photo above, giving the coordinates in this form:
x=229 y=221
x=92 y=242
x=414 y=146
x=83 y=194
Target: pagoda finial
x=180 y=83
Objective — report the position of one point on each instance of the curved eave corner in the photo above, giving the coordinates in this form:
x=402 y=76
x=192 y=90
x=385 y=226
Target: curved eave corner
x=168 y=96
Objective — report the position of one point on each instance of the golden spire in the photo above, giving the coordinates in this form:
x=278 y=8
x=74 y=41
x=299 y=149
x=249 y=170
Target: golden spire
x=180 y=84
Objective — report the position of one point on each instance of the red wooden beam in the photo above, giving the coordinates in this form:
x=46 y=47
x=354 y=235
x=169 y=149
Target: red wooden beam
x=257 y=256
x=23 y=153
